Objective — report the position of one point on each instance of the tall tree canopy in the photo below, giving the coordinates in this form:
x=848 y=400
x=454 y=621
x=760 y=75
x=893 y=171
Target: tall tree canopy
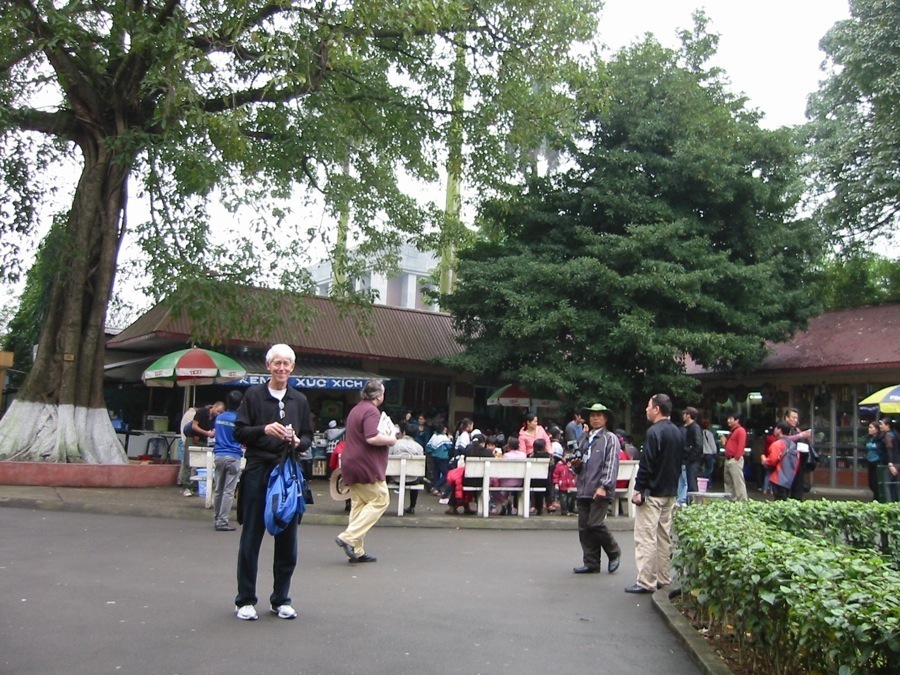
x=674 y=237
x=240 y=101
x=860 y=277
x=855 y=123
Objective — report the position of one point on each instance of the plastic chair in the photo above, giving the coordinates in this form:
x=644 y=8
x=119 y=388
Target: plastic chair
x=157 y=447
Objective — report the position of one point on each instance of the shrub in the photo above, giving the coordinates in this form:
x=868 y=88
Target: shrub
x=810 y=586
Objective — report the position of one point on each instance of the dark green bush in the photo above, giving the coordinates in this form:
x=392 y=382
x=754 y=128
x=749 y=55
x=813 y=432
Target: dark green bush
x=808 y=585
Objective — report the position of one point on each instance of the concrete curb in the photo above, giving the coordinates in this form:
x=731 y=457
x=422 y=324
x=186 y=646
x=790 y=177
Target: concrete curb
x=704 y=655
x=167 y=503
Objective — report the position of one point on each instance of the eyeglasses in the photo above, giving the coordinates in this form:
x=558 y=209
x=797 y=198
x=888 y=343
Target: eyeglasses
x=281 y=410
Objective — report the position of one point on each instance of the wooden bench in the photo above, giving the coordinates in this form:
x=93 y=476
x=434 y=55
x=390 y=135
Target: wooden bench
x=628 y=469
x=400 y=470
x=526 y=470
x=203 y=457
x=703 y=497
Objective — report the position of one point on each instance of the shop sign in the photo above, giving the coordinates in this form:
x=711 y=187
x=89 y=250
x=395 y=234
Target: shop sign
x=309 y=382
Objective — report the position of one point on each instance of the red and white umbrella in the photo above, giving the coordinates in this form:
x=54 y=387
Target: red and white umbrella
x=194 y=366
x=516 y=396
x=191 y=367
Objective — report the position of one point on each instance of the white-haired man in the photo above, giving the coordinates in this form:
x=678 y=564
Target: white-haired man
x=272 y=422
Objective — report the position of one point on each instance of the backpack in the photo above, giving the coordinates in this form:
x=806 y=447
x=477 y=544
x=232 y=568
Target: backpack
x=710 y=447
x=284 y=495
x=812 y=458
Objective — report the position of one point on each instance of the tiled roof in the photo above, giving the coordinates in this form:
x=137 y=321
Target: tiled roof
x=861 y=338
x=391 y=333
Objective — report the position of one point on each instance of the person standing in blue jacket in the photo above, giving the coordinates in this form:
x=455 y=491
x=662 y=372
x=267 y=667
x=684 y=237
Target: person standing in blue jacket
x=228 y=454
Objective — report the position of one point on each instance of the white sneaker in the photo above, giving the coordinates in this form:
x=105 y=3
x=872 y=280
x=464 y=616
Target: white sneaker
x=247 y=613
x=446 y=500
x=284 y=612
x=187 y=493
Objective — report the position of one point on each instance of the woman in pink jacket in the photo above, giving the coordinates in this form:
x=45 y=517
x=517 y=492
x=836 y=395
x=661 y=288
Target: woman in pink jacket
x=530 y=432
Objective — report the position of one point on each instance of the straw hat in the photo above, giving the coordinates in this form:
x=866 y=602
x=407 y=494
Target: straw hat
x=339 y=491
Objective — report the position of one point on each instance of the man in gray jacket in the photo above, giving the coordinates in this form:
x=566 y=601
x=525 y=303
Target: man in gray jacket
x=596 y=466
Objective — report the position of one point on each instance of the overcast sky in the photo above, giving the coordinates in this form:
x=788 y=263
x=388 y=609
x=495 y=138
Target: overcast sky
x=769 y=48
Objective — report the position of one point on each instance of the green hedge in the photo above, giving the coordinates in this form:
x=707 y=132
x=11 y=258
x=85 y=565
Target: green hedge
x=809 y=586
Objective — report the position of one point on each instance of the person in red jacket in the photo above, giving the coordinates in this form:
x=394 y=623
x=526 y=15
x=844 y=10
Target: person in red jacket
x=734 y=458
x=782 y=459
x=564 y=481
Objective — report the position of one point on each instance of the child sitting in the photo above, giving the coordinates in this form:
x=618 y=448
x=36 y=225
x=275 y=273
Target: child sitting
x=500 y=498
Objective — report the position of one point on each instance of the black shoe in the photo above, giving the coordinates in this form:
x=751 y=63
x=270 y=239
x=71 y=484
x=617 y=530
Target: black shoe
x=614 y=563
x=637 y=588
x=586 y=570
x=348 y=549
x=409 y=511
x=364 y=558
x=225 y=528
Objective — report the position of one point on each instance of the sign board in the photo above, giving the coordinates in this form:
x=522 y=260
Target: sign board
x=307 y=382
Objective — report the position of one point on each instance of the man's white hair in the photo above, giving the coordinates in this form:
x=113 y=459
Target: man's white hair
x=282 y=351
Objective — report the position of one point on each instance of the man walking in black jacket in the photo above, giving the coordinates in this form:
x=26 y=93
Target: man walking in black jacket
x=272 y=422
x=655 y=488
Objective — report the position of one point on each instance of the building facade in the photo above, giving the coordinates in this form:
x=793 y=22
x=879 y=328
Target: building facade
x=404 y=289
x=824 y=372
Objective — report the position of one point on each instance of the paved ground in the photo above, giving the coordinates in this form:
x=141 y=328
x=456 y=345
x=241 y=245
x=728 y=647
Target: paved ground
x=87 y=593
x=136 y=580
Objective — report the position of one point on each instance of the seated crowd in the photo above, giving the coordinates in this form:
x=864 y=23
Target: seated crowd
x=446 y=465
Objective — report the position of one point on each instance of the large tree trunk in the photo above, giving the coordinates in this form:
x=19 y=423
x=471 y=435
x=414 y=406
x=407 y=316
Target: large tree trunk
x=60 y=414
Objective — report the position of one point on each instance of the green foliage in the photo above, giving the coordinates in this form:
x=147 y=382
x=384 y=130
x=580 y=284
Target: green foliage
x=675 y=235
x=258 y=105
x=25 y=326
x=855 y=123
x=810 y=586
x=859 y=277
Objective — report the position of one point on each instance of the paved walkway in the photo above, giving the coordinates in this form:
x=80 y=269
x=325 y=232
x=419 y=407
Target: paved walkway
x=168 y=503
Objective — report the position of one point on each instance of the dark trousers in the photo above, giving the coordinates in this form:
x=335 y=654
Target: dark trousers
x=709 y=465
x=780 y=493
x=441 y=467
x=593 y=533
x=798 y=487
x=694 y=470
x=254 y=482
